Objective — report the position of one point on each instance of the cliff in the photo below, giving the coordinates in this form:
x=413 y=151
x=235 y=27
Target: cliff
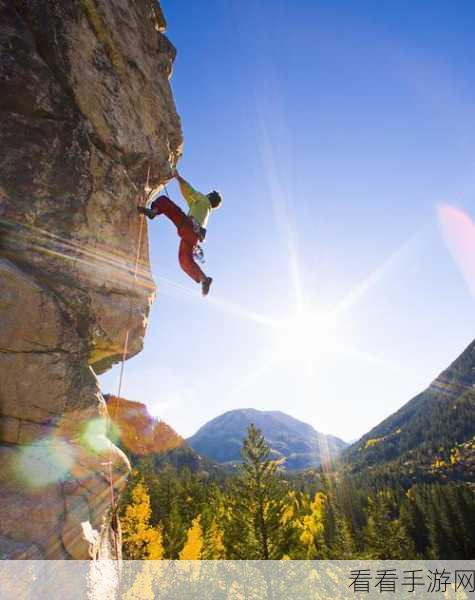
x=86 y=110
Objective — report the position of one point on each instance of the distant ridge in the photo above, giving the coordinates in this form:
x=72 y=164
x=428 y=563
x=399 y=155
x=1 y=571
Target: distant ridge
x=432 y=436
x=297 y=442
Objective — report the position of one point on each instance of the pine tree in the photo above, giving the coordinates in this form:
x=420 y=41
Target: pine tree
x=168 y=503
x=385 y=534
x=169 y=489
x=255 y=527
x=446 y=531
x=211 y=522
x=141 y=541
x=345 y=547
x=338 y=540
x=174 y=533
x=213 y=544
x=193 y=547
x=414 y=520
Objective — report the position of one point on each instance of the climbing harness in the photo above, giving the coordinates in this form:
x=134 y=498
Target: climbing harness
x=200 y=231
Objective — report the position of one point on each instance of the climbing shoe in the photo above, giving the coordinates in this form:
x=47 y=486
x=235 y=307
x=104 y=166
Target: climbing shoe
x=146 y=211
x=205 y=285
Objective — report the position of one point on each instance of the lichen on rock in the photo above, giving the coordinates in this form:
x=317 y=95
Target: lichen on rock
x=86 y=112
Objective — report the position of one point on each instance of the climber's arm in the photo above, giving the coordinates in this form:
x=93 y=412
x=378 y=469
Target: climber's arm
x=188 y=192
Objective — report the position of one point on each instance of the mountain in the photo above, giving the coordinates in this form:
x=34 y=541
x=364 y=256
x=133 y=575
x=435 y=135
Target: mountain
x=299 y=443
x=430 y=437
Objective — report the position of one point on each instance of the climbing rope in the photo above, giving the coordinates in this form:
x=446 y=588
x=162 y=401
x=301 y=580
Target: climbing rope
x=114 y=512
x=137 y=258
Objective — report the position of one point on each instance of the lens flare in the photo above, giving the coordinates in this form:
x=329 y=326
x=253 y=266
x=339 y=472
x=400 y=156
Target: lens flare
x=44 y=462
x=97 y=436
x=111 y=264
x=458 y=231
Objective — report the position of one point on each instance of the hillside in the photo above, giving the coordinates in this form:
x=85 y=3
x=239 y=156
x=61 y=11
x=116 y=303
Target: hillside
x=430 y=437
x=298 y=443
x=137 y=432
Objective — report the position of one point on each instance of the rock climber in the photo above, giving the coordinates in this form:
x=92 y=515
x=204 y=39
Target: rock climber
x=191 y=227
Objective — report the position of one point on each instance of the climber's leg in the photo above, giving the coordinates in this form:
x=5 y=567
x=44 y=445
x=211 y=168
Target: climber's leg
x=164 y=206
x=187 y=262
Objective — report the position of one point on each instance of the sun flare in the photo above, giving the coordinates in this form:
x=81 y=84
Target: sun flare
x=305 y=337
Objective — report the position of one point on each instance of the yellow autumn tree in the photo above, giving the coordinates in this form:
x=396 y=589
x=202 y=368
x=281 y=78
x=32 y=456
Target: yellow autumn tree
x=141 y=540
x=194 y=542
x=312 y=526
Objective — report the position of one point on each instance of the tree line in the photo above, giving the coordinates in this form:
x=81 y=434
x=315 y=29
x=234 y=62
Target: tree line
x=259 y=513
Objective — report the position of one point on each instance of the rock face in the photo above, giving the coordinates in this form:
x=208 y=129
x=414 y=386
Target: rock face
x=86 y=111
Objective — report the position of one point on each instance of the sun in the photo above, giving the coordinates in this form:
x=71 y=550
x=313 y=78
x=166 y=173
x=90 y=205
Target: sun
x=306 y=337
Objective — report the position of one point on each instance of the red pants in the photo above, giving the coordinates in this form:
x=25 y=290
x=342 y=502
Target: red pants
x=164 y=206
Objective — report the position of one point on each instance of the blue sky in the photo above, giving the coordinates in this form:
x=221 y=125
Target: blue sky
x=334 y=131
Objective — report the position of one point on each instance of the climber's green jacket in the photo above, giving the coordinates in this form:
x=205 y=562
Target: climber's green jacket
x=200 y=206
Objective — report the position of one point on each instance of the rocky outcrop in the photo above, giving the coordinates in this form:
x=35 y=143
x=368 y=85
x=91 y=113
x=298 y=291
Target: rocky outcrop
x=86 y=111
x=139 y=433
